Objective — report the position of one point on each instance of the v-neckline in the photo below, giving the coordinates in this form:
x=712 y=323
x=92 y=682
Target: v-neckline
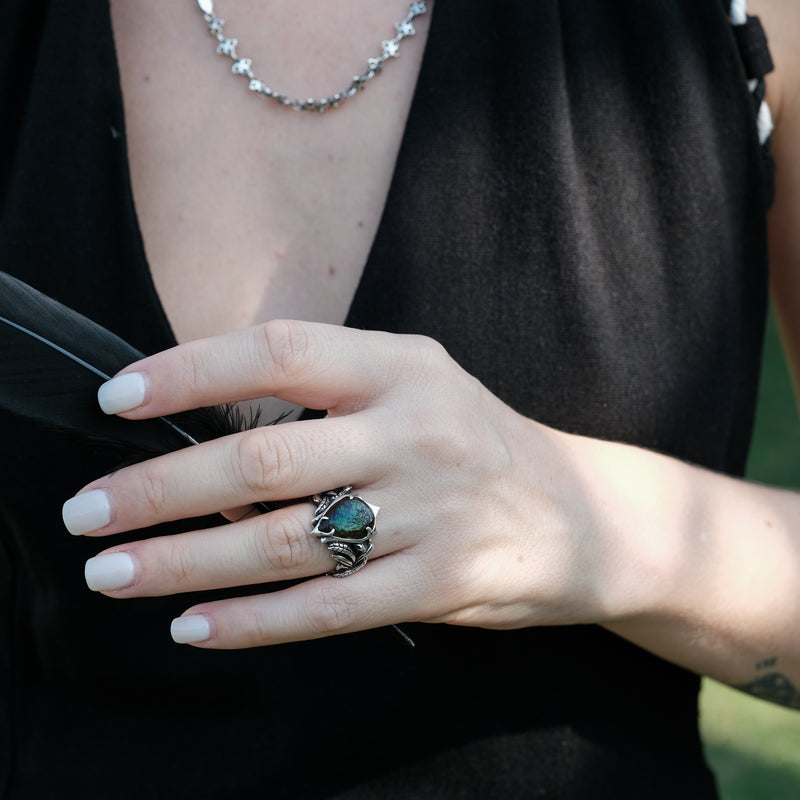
x=162 y=320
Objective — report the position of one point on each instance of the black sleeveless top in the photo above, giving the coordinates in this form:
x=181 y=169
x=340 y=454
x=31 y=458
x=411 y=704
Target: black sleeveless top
x=577 y=214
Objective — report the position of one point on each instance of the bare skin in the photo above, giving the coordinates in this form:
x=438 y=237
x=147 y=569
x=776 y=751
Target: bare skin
x=696 y=567
x=267 y=210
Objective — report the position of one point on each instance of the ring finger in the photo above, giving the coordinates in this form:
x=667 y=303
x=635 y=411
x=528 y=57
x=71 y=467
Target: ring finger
x=270 y=547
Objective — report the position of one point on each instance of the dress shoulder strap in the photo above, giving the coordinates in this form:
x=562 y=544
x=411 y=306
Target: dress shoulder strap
x=757 y=60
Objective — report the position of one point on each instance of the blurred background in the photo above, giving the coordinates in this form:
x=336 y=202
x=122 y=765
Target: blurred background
x=753 y=746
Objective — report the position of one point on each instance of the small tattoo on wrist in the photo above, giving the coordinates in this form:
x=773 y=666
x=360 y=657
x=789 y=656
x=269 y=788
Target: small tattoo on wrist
x=772 y=686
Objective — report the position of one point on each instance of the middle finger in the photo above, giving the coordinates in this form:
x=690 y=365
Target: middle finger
x=282 y=462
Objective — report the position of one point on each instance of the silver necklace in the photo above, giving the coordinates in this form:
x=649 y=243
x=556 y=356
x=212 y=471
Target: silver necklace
x=242 y=66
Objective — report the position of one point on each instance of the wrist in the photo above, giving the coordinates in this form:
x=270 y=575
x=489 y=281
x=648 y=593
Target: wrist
x=704 y=566
x=648 y=525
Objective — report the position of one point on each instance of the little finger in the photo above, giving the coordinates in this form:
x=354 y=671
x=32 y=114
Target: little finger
x=389 y=591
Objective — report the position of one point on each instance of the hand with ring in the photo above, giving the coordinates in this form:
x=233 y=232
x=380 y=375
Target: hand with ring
x=487 y=517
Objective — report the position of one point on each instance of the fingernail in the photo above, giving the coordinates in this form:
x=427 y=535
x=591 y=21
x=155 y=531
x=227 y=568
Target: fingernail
x=190 y=629
x=87 y=512
x=122 y=394
x=110 y=571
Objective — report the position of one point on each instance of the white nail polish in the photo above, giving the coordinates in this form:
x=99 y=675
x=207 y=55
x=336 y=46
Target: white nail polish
x=123 y=393
x=110 y=571
x=87 y=512
x=187 y=630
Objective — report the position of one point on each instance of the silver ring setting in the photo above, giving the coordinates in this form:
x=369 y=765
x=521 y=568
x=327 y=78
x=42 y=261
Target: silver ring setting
x=345 y=524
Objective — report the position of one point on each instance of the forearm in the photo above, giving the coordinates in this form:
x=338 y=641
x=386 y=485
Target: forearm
x=708 y=570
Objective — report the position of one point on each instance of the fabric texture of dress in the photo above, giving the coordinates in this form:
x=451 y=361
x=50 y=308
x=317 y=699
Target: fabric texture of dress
x=578 y=215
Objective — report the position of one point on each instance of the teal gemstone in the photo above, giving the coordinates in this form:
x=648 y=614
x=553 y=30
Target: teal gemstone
x=350 y=518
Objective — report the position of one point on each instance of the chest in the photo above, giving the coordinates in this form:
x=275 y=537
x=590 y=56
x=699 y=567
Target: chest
x=250 y=211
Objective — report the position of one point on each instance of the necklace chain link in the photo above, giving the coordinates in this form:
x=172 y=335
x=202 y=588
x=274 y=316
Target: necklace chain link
x=390 y=48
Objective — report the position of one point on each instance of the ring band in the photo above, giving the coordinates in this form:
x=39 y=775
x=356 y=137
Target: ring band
x=345 y=524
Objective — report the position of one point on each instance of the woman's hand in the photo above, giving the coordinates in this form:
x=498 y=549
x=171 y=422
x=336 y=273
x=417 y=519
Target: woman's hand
x=486 y=519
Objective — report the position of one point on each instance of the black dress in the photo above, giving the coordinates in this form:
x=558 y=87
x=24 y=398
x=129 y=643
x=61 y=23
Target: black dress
x=578 y=215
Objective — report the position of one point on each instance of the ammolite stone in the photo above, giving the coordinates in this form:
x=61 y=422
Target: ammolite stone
x=348 y=519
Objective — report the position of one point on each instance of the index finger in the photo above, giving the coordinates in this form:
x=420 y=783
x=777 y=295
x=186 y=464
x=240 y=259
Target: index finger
x=311 y=364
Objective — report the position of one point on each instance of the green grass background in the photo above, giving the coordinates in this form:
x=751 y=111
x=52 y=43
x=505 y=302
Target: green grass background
x=753 y=746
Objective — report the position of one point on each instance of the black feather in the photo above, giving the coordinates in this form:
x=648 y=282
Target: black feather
x=52 y=361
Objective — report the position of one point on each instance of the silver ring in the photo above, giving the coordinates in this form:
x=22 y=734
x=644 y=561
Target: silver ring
x=345 y=524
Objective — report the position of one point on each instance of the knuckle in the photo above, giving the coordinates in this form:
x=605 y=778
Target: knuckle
x=257 y=628
x=248 y=467
x=283 y=460
x=261 y=461
x=286 y=345
x=153 y=492
x=426 y=353
x=329 y=609
x=435 y=437
x=420 y=360
x=195 y=370
x=279 y=547
x=179 y=564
